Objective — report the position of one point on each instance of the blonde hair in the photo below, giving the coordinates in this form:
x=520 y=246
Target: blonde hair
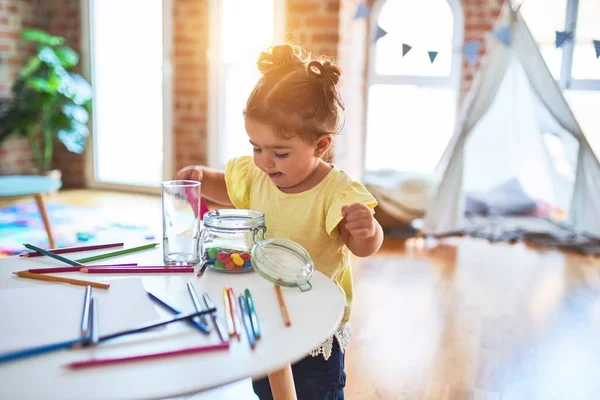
x=296 y=94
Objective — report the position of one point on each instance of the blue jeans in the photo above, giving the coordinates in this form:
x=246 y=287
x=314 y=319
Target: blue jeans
x=315 y=378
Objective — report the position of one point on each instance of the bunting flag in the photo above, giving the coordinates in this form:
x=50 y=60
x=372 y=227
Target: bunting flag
x=471 y=51
x=597 y=47
x=432 y=55
x=380 y=33
x=405 y=49
x=562 y=37
x=362 y=11
x=503 y=34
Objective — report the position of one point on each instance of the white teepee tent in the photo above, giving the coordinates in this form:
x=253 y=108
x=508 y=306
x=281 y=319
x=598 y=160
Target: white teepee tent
x=510 y=119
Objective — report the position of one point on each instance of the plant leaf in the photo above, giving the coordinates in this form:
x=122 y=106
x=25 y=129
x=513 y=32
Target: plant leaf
x=76 y=112
x=38 y=84
x=76 y=88
x=49 y=57
x=41 y=37
x=67 y=56
x=32 y=65
x=74 y=138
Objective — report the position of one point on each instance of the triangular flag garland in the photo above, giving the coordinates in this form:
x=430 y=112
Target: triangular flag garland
x=405 y=49
x=432 y=55
x=471 y=50
x=362 y=11
x=380 y=33
x=597 y=47
x=562 y=37
x=503 y=34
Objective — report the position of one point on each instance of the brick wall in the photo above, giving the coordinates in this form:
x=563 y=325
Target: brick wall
x=479 y=16
x=63 y=19
x=15 y=156
x=190 y=81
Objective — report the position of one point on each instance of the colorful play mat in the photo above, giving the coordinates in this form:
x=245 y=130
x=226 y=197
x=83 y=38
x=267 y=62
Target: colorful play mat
x=71 y=225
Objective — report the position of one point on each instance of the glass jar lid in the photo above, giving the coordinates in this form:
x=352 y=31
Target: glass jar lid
x=234 y=219
x=283 y=262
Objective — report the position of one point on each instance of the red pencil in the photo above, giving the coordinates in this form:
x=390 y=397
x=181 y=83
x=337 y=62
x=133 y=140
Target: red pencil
x=133 y=270
x=73 y=249
x=96 y=362
x=75 y=269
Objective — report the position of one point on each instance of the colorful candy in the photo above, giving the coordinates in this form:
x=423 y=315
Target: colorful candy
x=228 y=259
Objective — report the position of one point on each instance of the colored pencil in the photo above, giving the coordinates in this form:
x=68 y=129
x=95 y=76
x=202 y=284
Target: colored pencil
x=85 y=314
x=94 y=321
x=253 y=316
x=75 y=269
x=52 y=278
x=142 y=328
x=196 y=324
x=136 y=270
x=283 y=306
x=236 y=322
x=246 y=321
x=117 y=253
x=228 y=316
x=55 y=256
x=45 y=348
x=215 y=318
x=202 y=269
x=96 y=362
x=73 y=249
x=191 y=197
x=195 y=300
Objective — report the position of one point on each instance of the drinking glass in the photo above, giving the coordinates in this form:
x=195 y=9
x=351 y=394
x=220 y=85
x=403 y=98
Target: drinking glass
x=181 y=222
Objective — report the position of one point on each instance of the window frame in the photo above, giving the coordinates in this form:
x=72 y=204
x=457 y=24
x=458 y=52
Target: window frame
x=87 y=47
x=452 y=81
x=454 y=77
x=566 y=81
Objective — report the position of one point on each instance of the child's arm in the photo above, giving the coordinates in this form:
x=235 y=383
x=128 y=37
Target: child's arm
x=213 y=182
x=360 y=230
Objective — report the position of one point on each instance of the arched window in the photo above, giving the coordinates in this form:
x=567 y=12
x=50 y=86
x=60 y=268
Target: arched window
x=411 y=101
x=574 y=64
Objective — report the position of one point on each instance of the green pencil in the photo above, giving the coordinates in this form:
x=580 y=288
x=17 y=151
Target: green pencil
x=253 y=316
x=117 y=253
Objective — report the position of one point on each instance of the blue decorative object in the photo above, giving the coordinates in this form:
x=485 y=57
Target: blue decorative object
x=380 y=33
x=503 y=34
x=405 y=49
x=432 y=55
x=562 y=37
x=597 y=47
x=362 y=11
x=471 y=51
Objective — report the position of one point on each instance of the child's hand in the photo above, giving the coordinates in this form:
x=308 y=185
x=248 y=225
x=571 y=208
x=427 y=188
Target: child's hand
x=191 y=173
x=360 y=221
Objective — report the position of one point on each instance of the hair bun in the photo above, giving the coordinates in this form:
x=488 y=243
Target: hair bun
x=325 y=71
x=279 y=57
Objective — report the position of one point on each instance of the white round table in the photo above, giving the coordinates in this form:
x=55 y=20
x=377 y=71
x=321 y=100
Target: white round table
x=315 y=316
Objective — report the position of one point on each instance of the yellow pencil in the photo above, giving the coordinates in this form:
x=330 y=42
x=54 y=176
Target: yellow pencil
x=45 y=277
x=228 y=316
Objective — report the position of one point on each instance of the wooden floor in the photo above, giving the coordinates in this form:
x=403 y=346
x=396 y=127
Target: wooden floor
x=460 y=319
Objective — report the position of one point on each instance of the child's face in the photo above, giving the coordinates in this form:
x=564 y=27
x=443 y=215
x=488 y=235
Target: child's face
x=288 y=162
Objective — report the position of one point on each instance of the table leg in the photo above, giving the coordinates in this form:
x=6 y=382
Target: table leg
x=42 y=207
x=282 y=384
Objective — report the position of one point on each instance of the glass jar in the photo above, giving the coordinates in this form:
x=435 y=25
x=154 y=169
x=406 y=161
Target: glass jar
x=233 y=241
x=228 y=237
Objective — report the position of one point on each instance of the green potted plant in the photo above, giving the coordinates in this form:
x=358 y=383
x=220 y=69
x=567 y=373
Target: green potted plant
x=49 y=102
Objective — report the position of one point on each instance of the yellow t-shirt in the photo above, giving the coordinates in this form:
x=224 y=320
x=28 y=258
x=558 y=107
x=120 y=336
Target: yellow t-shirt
x=309 y=218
